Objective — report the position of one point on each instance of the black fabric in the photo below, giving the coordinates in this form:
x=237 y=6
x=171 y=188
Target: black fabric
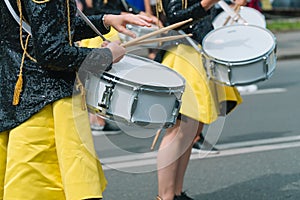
x=113 y=7
x=52 y=76
x=201 y=25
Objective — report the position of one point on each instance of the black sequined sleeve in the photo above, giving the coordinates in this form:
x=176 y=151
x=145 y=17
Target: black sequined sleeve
x=176 y=13
x=53 y=27
x=83 y=30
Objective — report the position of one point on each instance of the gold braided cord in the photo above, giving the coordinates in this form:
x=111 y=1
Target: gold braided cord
x=19 y=84
x=69 y=22
x=184 y=4
x=21 y=32
x=43 y=1
x=159 y=7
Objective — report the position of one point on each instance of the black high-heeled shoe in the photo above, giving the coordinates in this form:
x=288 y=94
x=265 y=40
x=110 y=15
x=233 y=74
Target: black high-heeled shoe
x=183 y=196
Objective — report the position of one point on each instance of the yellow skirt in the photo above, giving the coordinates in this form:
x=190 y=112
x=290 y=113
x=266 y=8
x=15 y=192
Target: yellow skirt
x=97 y=41
x=202 y=100
x=46 y=157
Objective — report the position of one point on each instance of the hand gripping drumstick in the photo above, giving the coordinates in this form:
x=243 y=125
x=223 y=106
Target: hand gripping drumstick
x=237 y=9
x=159 y=31
x=235 y=16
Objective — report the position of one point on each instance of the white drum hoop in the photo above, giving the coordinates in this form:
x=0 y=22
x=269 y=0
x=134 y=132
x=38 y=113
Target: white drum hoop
x=102 y=103
x=243 y=70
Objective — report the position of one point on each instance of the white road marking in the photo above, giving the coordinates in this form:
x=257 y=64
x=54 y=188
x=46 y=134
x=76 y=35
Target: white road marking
x=237 y=148
x=265 y=91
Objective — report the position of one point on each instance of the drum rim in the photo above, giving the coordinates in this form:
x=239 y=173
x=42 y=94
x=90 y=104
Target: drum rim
x=117 y=118
x=242 y=61
x=113 y=78
x=242 y=8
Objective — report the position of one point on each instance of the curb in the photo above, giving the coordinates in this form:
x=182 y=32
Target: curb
x=288 y=57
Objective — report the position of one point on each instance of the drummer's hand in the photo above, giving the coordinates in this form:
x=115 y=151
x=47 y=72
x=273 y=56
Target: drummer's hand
x=119 y=22
x=207 y=4
x=155 y=20
x=117 y=51
x=240 y=2
x=105 y=43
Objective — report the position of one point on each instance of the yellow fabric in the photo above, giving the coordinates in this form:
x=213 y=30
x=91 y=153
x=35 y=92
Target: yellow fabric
x=48 y=159
x=201 y=97
x=97 y=41
x=3 y=155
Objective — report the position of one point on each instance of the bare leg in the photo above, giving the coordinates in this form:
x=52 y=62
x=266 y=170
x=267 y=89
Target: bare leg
x=174 y=151
x=184 y=161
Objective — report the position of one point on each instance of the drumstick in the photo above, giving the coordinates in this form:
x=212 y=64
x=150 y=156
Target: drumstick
x=162 y=39
x=155 y=138
x=159 y=31
x=235 y=16
x=236 y=9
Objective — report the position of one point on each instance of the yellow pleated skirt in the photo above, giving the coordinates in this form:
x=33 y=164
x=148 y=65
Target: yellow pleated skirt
x=51 y=156
x=96 y=42
x=203 y=99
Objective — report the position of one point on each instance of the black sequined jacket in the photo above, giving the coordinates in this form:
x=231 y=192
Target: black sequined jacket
x=199 y=27
x=202 y=20
x=52 y=76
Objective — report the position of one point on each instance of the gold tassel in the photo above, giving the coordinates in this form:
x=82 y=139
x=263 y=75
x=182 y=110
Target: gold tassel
x=18 y=90
x=19 y=84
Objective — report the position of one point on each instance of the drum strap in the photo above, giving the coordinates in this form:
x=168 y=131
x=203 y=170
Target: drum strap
x=25 y=26
x=125 y=5
x=191 y=42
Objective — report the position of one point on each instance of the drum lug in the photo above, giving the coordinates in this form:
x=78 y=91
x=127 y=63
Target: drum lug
x=106 y=97
x=134 y=103
x=212 y=70
x=266 y=66
x=174 y=113
x=229 y=71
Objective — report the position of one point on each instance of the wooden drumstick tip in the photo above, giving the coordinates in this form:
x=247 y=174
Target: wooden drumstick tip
x=157 y=32
x=155 y=138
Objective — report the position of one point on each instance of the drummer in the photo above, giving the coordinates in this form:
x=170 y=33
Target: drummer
x=42 y=122
x=117 y=7
x=202 y=100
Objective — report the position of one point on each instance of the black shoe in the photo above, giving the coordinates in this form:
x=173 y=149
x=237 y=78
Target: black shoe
x=110 y=128
x=183 y=196
x=203 y=145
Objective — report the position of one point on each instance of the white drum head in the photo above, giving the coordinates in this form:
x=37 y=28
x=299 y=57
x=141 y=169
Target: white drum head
x=238 y=43
x=144 y=71
x=251 y=15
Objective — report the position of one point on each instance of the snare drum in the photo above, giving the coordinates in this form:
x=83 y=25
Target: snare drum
x=140 y=31
x=136 y=91
x=239 y=54
x=250 y=15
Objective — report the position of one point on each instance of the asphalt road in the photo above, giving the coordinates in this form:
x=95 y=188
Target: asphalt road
x=259 y=145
